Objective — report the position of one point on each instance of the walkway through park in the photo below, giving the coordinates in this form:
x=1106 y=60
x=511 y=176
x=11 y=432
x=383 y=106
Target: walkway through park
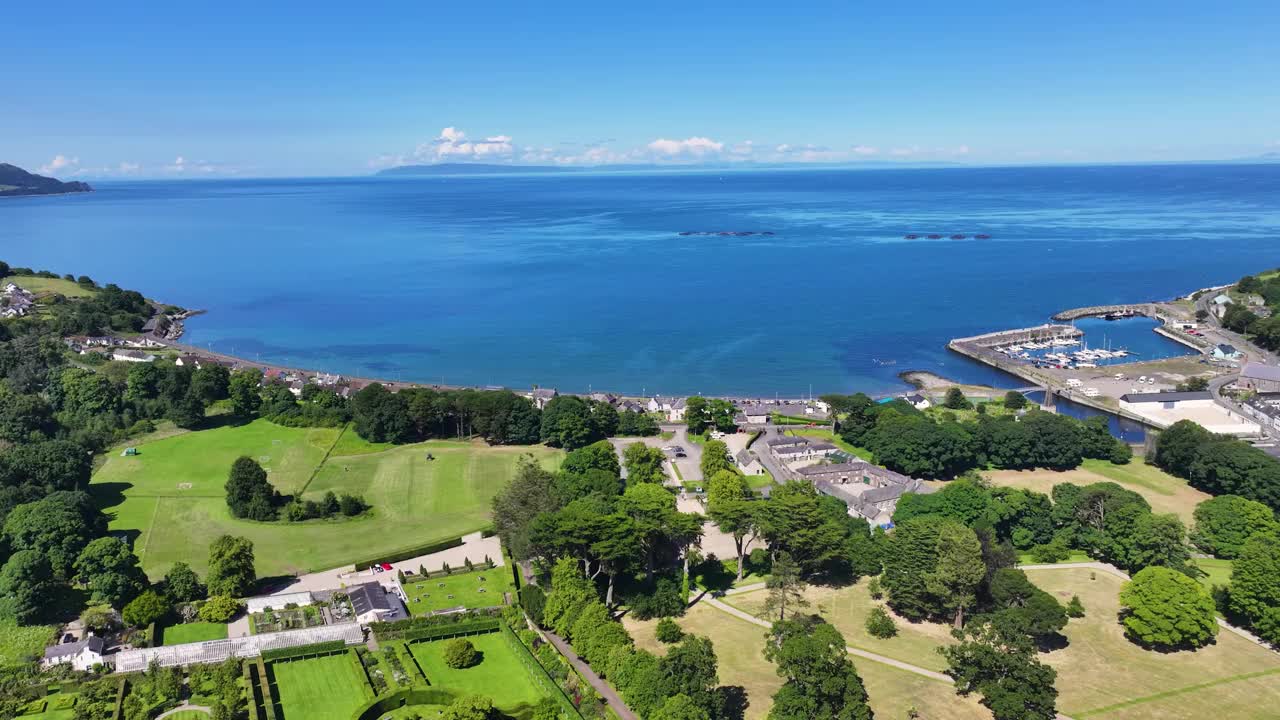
x=605 y=689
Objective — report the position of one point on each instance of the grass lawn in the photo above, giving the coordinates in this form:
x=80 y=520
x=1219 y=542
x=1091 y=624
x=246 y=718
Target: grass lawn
x=499 y=675
x=1100 y=671
x=847 y=608
x=192 y=632
x=739 y=648
x=325 y=688
x=39 y=286
x=22 y=644
x=171 y=495
x=188 y=715
x=1075 y=556
x=352 y=444
x=461 y=588
x=1166 y=493
x=1217 y=572
x=828 y=436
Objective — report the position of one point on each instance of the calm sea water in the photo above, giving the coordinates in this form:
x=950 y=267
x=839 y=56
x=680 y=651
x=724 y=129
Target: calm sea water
x=583 y=281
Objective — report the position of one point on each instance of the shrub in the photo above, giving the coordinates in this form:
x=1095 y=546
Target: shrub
x=219 y=609
x=459 y=653
x=880 y=625
x=145 y=609
x=668 y=631
x=664 y=601
x=1075 y=608
x=533 y=600
x=874 y=588
x=1163 y=608
x=1051 y=552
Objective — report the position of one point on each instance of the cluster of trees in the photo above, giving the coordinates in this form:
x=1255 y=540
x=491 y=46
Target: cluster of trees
x=819 y=680
x=499 y=416
x=1218 y=464
x=251 y=496
x=107 y=310
x=682 y=685
x=1238 y=317
x=703 y=414
x=914 y=443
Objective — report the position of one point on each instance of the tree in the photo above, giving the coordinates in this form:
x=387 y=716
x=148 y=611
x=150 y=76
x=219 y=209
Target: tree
x=570 y=422
x=910 y=558
x=242 y=388
x=1033 y=611
x=596 y=456
x=1255 y=576
x=856 y=416
x=679 y=707
x=470 y=707
x=26 y=582
x=915 y=445
x=381 y=415
x=59 y=526
x=1163 y=608
x=633 y=423
x=731 y=507
x=100 y=619
x=459 y=653
x=249 y=494
x=955 y=400
x=1223 y=523
x=188 y=411
x=880 y=625
x=211 y=383
x=145 y=609
x=715 y=457
x=50 y=465
x=959 y=570
x=690 y=669
x=529 y=493
x=703 y=414
x=219 y=608
x=1158 y=540
x=999 y=663
x=819 y=679
x=644 y=464
x=1015 y=400
x=111 y=571
x=667 y=631
x=1178 y=447
x=231 y=569
x=1075 y=608
x=570 y=592
x=786 y=588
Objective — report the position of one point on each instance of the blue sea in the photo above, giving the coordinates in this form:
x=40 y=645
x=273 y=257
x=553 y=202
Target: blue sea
x=583 y=281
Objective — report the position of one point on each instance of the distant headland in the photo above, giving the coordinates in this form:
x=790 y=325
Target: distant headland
x=16 y=181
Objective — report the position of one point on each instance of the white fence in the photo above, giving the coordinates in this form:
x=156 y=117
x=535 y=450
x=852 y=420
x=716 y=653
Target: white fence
x=216 y=651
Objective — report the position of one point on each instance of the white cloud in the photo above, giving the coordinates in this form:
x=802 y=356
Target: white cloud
x=452 y=145
x=864 y=150
x=60 y=164
x=182 y=166
x=694 y=147
x=128 y=168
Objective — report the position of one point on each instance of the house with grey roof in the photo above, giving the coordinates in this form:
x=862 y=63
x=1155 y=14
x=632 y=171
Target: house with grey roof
x=748 y=463
x=1223 y=351
x=870 y=491
x=804 y=452
x=541 y=396
x=372 y=603
x=1259 y=378
x=81 y=654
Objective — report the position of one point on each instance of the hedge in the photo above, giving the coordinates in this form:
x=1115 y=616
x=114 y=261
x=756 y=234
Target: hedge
x=396 y=629
x=327 y=647
x=379 y=706
x=439 y=632
x=117 y=713
x=543 y=677
x=410 y=552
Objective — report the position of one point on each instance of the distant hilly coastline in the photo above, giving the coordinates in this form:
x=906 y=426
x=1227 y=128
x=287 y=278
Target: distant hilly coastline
x=16 y=181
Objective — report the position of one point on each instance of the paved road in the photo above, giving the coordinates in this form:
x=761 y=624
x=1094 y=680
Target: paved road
x=605 y=689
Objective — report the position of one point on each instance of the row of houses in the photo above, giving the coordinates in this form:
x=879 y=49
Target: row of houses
x=793 y=451
x=870 y=491
x=15 y=302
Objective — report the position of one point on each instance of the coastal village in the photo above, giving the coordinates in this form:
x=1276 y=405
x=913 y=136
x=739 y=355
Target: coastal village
x=388 y=611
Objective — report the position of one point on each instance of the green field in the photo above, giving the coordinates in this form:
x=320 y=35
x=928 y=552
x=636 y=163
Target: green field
x=324 y=688
x=171 y=495
x=188 y=715
x=1216 y=572
x=39 y=285
x=499 y=675
x=448 y=591
x=192 y=632
x=1166 y=493
x=1102 y=674
x=21 y=645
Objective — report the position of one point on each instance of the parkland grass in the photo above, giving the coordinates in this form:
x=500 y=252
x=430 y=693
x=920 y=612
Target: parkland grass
x=1102 y=674
x=42 y=286
x=324 y=688
x=477 y=589
x=1166 y=493
x=499 y=675
x=170 y=497
x=192 y=632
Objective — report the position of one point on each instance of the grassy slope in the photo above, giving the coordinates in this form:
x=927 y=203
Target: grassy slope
x=1100 y=668
x=499 y=675
x=39 y=286
x=326 y=688
x=427 y=595
x=1166 y=493
x=414 y=500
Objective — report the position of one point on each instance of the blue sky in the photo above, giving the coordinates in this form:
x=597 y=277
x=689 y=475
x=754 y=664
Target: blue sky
x=265 y=89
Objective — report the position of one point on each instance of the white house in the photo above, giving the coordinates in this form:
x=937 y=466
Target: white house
x=372 y=603
x=1220 y=304
x=132 y=356
x=542 y=396
x=675 y=413
x=1223 y=351
x=81 y=655
x=756 y=414
x=918 y=401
